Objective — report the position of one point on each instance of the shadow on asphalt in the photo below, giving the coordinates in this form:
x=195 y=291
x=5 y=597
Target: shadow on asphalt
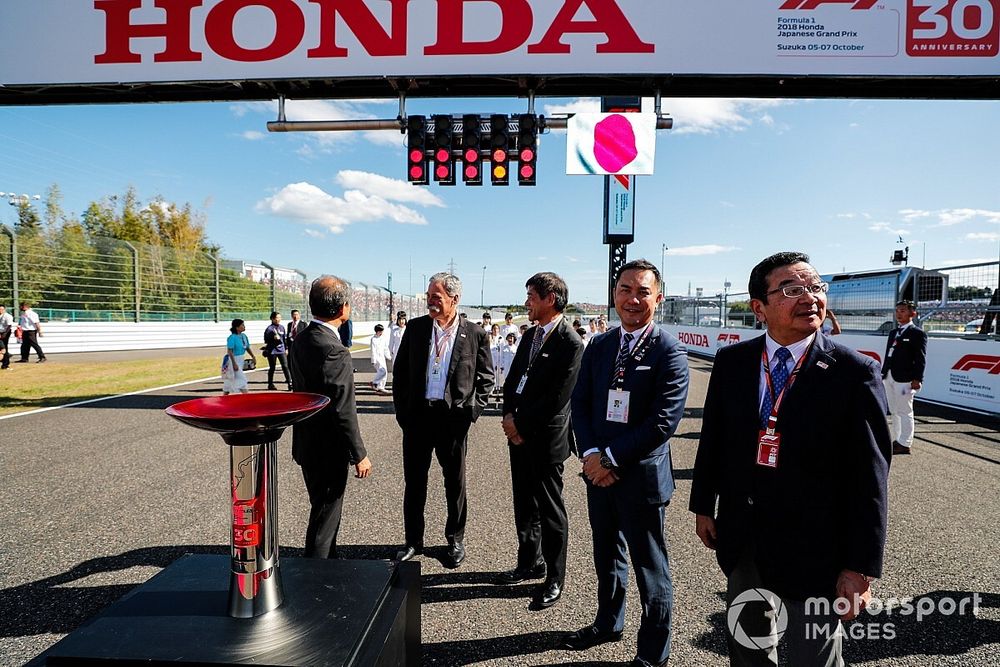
x=468 y=651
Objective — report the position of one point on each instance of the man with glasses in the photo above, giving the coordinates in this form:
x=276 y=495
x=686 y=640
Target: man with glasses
x=794 y=453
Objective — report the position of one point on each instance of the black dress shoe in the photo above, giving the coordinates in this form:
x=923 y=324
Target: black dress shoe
x=547 y=595
x=589 y=637
x=899 y=450
x=519 y=574
x=408 y=553
x=639 y=662
x=455 y=555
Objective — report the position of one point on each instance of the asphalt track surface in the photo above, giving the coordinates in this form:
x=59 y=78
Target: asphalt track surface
x=96 y=499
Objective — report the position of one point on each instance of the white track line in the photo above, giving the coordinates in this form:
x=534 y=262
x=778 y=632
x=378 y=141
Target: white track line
x=110 y=398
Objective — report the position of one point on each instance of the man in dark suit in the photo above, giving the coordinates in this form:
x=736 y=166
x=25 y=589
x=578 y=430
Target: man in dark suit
x=295 y=326
x=627 y=403
x=328 y=443
x=903 y=373
x=442 y=378
x=536 y=422
x=795 y=450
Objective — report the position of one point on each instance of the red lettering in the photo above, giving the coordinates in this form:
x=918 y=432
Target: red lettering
x=813 y=4
x=366 y=28
x=289 y=28
x=175 y=30
x=515 y=28
x=609 y=20
x=986 y=362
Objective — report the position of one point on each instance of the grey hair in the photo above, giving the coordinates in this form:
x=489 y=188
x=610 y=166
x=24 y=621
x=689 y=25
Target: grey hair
x=328 y=295
x=452 y=285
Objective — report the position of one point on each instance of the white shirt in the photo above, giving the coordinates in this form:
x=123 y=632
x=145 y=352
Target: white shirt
x=509 y=329
x=796 y=350
x=379 y=346
x=395 y=338
x=28 y=320
x=328 y=326
x=6 y=322
x=434 y=390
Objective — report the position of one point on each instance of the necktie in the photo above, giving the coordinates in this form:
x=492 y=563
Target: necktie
x=623 y=353
x=779 y=377
x=536 y=343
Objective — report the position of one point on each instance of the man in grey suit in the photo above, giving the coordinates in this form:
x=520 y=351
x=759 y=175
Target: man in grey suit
x=329 y=443
x=442 y=378
x=536 y=422
x=627 y=403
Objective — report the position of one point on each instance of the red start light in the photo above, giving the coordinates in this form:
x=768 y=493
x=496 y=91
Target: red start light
x=527 y=171
x=499 y=155
x=416 y=156
x=442 y=155
x=416 y=171
x=471 y=171
x=442 y=171
x=527 y=155
x=471 y=155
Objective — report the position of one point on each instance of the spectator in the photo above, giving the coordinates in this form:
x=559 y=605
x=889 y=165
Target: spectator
x=509 y=327
x=295 y=327
x=487 y=321
x=379 y=349
x=396 y=336
x=6 y=327
x=831 y=326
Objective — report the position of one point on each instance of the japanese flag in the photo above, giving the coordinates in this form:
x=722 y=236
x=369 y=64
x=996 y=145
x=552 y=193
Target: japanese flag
x=611 y=143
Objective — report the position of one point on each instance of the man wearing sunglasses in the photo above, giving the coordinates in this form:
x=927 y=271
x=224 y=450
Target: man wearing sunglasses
x=795 y=450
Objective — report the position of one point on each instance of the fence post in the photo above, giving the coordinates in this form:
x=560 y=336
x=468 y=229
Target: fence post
x=135 y=278
x=215 y=263
x=274 y=283
x=13 y=267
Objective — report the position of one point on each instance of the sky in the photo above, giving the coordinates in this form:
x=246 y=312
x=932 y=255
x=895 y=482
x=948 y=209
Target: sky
x=735 y=180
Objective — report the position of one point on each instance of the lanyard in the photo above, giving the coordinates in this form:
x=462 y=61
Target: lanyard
x=531 y=362
x=439 y=348
x=772 y=419
x=638 y=352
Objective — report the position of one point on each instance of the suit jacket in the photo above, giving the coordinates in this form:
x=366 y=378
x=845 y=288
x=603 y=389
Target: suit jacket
x=823 y=509
x=657 y=387
x=323 y=365
x=294 y=328
x=541 y=411
x=909 y=356
x=470 y=374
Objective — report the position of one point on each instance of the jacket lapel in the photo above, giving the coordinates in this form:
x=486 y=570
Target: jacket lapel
x=460 y=343
x=817 y=363
x=422 y=349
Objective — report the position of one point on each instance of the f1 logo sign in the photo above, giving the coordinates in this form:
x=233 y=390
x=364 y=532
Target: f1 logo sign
x=971 y=362
x=813 y=4
x=963 y=28
x=727 y=339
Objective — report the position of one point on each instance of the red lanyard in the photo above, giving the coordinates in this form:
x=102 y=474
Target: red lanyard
x=637 y=353
x=772 y=419
x=439 y=348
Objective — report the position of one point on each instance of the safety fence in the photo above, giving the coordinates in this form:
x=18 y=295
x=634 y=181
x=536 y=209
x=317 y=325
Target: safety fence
x=955 y=301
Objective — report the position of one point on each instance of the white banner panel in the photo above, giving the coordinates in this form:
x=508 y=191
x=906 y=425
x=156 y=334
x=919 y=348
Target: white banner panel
x=962 y=373
x=611 y=143
x=123 y=41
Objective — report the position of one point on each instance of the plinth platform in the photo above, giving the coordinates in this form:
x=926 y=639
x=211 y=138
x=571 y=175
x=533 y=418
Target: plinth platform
x=335 y=612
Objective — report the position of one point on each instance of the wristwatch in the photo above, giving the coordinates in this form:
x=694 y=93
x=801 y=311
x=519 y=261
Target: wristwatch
x=606 y=462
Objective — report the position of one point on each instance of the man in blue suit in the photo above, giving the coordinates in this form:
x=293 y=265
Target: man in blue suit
x=628 y=401
x=795 y=450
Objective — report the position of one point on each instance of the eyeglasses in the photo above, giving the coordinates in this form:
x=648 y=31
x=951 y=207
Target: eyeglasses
x=795 y=291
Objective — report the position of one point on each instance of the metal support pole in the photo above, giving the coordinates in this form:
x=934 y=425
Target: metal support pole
x=13 y=267
x=135 y=279
x=215 y=263
x=616 y=252
x=391 y=305
x=274 y=283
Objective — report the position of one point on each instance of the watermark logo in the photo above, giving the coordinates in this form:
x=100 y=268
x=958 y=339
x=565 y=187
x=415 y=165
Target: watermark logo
x=778 y=613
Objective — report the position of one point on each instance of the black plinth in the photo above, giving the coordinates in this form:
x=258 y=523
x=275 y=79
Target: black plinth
x=335 y=612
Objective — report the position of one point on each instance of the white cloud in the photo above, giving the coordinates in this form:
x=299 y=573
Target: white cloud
x=699 y=250
x=253 y=135
x=983 y=236
x=727 y=204
x=888 y=228
x=387 y=188
x=847 y=216
x=313 y=233
x=327 y=141
x=572 y=259
x=368 y=198
x=963 y=261
x=946 y=217
x=579 y=105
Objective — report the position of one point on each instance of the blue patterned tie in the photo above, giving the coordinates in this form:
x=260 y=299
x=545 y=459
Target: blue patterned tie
x=779 y=377
x=623 y=353
x=536 y=343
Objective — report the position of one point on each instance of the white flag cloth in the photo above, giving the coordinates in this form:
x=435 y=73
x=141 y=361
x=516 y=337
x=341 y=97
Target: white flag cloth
x=611 y=143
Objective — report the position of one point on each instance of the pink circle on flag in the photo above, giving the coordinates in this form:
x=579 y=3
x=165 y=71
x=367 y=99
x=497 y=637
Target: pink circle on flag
x=614 y=143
